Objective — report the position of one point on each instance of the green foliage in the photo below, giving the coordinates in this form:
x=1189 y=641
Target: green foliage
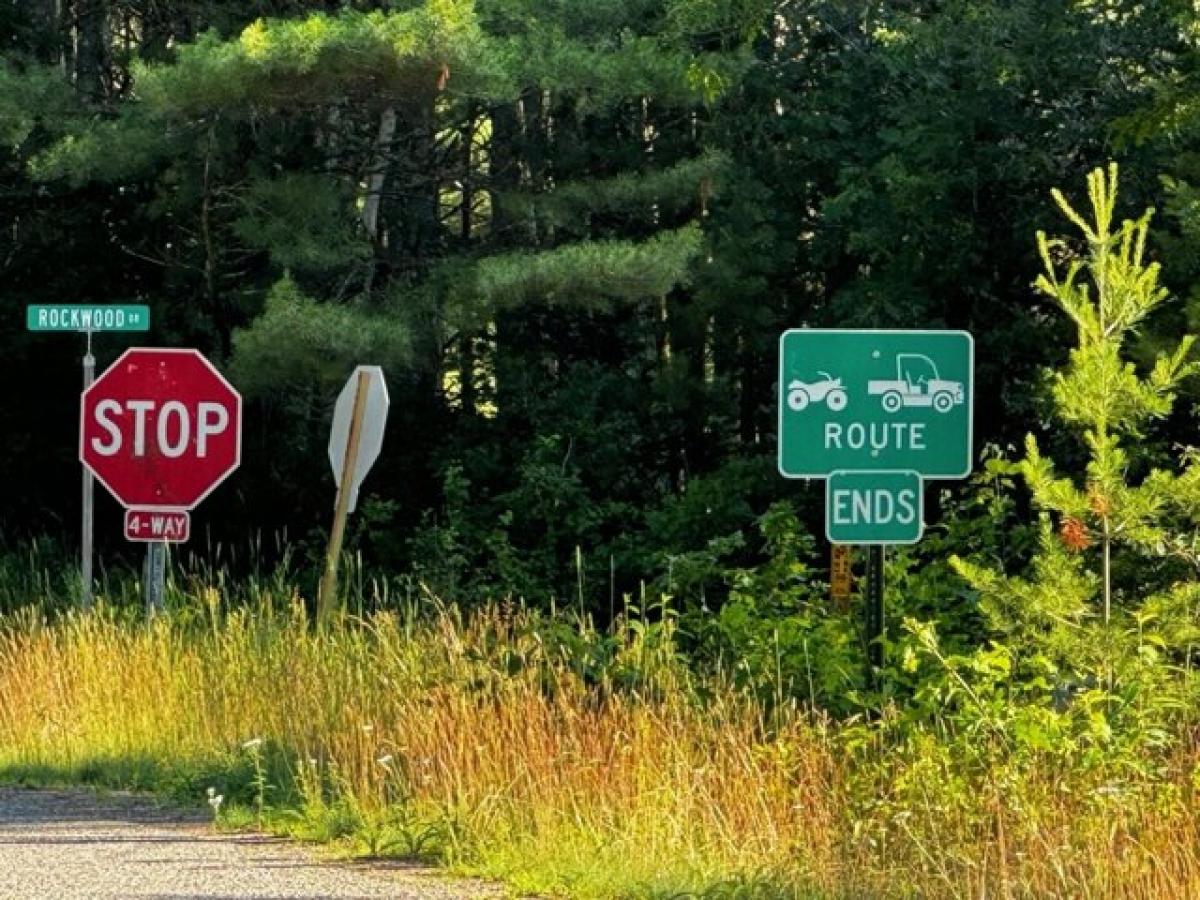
x=293 y=63
x=32 y=97
x=604 y=75
x=107 y=151
x=1089 y=657
x=588 y=275
x=36 y=574
x=301 y=220
x=695 y=539
x=732 y=20
x=1103 y=394
x=307 y=189
x=298 y=340
x=779 y=634
x=572 y=232
x=666 y=192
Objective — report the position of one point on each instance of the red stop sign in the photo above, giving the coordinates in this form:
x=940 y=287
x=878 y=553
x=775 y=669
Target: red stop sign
x=161 y=428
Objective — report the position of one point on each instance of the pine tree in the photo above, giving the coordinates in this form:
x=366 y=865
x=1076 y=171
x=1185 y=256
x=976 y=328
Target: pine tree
x=1121 y=543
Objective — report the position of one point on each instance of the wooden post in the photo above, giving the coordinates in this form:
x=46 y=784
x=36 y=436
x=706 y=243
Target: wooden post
x=327 y=596
x=840 y=581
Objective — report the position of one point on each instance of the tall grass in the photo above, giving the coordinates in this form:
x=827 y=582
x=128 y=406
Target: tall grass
x=487 y=741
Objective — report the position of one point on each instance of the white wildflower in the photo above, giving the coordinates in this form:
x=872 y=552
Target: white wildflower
x=215 y=800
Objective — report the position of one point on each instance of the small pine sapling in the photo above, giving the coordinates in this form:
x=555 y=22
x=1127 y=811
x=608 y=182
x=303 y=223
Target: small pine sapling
x=1121 y=502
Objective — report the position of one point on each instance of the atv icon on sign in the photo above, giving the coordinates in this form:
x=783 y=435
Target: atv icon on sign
x=917 y=383
x=828 y=389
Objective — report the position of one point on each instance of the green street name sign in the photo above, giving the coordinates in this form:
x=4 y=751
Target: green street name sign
x=99 y=317
x=866 y=400
x=874 y=508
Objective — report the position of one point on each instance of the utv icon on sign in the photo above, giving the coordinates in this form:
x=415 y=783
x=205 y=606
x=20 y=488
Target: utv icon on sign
x=917 y=383
x=828 y=389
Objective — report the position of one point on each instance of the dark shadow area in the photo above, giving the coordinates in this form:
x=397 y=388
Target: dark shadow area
x=155 y=785
x=42 y=806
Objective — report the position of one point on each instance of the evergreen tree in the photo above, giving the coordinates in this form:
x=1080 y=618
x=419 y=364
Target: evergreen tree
x=1117 y=575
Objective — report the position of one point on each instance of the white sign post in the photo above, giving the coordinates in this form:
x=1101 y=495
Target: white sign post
x=355 y=440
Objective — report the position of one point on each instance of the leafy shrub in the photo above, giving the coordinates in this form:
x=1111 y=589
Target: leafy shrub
x=778 y=634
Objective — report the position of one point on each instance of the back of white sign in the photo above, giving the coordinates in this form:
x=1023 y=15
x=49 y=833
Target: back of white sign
x=370 y=440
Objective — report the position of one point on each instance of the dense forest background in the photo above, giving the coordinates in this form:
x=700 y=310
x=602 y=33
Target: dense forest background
x=571 y=233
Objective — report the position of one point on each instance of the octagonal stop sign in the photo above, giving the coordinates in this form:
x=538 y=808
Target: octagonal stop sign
x=161 y=428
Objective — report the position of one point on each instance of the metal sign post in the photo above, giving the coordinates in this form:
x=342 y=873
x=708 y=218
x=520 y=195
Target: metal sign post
x=156 y=578
x=89 y=498
x=156 y=529
x=874 y=612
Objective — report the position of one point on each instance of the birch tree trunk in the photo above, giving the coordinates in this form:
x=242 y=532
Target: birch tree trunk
x=377 y=173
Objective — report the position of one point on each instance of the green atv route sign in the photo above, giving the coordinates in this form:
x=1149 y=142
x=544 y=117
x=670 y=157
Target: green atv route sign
x=875 y=401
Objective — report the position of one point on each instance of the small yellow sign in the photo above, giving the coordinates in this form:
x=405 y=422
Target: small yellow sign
x=840 y=573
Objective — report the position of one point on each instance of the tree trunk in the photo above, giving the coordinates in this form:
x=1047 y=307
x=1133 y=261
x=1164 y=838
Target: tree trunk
x=91 y=47
x=45 y=17
x=753 y=389
x=224 y=328
x=408 y=196
x=157 y=30
x=377 y=176
x=466 y=226
x=687 y=331
x=505 y=175
x=536 y=115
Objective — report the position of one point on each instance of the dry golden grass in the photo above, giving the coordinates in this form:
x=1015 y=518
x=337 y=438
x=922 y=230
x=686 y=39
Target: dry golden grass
x=476 y=735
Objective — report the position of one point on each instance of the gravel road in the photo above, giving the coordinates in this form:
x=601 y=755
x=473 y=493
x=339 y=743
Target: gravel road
x=71 y=845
